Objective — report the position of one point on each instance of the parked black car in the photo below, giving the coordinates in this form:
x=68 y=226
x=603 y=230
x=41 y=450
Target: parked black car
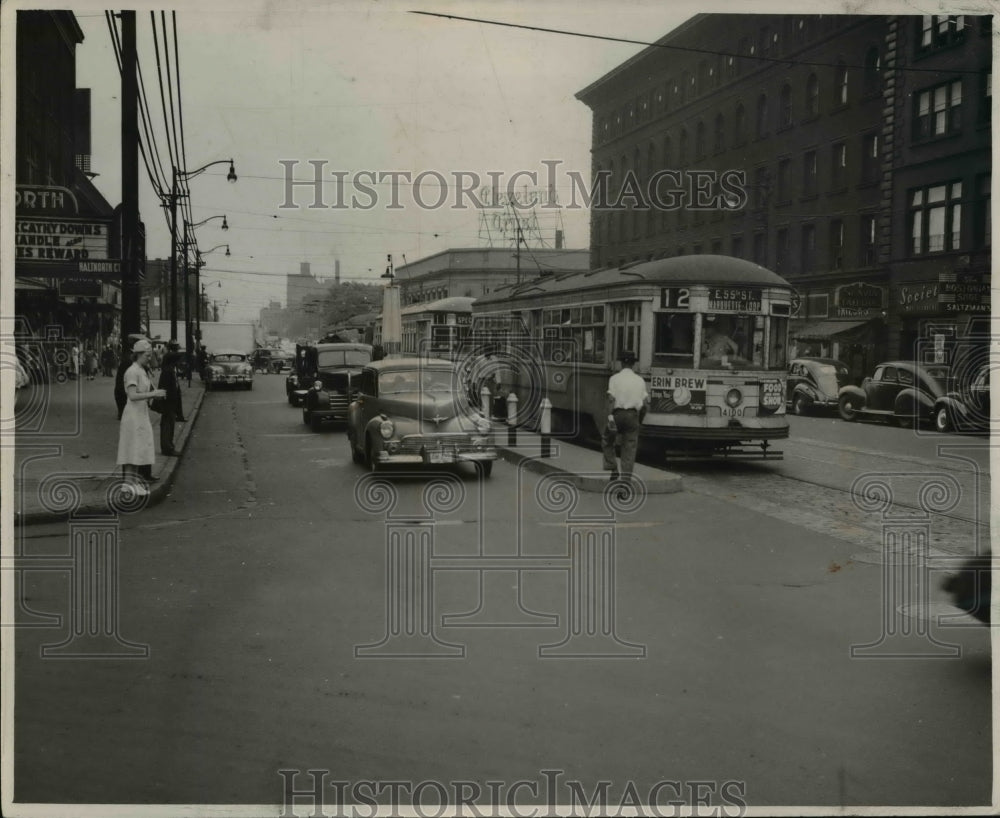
x=815 y=383
x=901 y=391
x=321 y=383
x=966 y=405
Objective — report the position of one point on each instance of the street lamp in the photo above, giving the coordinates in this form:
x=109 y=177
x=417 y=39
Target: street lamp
x=173 y=196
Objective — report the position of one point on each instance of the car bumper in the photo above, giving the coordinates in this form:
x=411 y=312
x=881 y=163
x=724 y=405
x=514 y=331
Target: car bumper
x=436 y=458
x=231 y=379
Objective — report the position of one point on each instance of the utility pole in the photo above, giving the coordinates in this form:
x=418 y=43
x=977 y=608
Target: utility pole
x=173 y=256
x=130 y=184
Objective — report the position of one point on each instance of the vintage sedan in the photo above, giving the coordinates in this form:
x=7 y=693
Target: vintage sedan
x=966 y=406
x=332 y=366
x=228 y=368
x=903 y=392
x=815 y=383
x=414 y=410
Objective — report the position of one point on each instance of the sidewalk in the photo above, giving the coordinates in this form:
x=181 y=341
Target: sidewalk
x=66 y=445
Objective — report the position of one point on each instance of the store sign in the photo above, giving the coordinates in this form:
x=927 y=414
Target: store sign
x=858 y=300
x=964 y=292
x=45 y=200
x=917 y=297
x=734 y=299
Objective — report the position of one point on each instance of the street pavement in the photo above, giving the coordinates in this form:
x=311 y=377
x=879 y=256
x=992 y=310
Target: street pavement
x=66 y=443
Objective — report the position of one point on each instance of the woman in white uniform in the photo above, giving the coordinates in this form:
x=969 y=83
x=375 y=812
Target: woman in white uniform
x=135 y=433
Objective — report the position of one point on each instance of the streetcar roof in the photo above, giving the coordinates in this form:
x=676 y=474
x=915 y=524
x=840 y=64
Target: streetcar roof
x=455 y=303
x=694 y=269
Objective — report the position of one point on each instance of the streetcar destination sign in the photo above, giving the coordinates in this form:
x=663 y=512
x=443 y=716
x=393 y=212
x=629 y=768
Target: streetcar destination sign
x=734 y=299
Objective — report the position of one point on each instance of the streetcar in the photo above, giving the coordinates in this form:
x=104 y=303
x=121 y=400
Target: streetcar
x=710 y=334
x=435 y=329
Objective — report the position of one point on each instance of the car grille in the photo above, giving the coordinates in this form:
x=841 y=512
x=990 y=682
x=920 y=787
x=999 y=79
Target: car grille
x=412 y=444
x=339 y=403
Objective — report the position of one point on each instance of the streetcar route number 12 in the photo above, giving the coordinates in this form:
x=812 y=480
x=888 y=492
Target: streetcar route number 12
x=674 y=298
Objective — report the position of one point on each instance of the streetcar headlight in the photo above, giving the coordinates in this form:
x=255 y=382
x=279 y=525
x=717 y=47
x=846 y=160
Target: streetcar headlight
x=734 y=397
x=682 y=396
x=386 y=428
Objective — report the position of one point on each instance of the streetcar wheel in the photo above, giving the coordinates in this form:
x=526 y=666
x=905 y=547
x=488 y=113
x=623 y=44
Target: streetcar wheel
x=800 y=406
x=848 y=411
x=942 y=420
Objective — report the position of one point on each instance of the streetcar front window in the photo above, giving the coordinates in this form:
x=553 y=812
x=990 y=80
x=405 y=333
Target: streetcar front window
x=673 y=339
x=732 y=341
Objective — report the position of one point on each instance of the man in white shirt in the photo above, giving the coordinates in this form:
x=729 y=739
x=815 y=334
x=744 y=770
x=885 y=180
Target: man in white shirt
x=628 y=400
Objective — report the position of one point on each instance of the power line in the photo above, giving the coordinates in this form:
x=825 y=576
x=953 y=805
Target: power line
x=687 y=49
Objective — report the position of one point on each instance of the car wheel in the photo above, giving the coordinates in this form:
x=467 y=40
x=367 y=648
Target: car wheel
x=800 y=405
x=371 y=461
x=847 y=408
x=942 y=420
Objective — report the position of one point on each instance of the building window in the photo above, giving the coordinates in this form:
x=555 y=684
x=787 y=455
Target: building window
x=812 y=96
x=781 y=250
x=720 y=133
x=784 y=180
x=867 y=255
x=730 y=66
x=809 y=174
x=873 y=72
x=986 y=99
x=983 y=226
x=938 y=111
x=739 y=128
x=760 y=188
x=785 y=107
x=818 y=305
x=761 y=116
x=841 y=84
x=936 y=218
x=736 y=246
x=869 y=158
x=683 y=148
x=836 y=244
x=940 y=31
x=760 y=248
x=808 y=248
x=838 y=166
x=666 y=152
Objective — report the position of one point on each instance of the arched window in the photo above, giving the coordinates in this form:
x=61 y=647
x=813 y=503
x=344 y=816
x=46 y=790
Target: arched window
x=666 y=152
x=761 y=116
x=785 y=112
x=812 y=96
x=841 y=84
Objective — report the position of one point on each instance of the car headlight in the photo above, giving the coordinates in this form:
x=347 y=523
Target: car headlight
x=483 y=426
x=318 y=386
x=733 y=397
x=386 y=428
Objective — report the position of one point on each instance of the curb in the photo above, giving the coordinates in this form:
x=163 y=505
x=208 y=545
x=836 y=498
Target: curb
x=100 y=508
x=662 y=483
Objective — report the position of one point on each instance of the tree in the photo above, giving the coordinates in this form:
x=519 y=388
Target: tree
x=344 y=301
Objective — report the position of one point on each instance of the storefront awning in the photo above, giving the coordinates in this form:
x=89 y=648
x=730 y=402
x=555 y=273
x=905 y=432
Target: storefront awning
x=829 y=330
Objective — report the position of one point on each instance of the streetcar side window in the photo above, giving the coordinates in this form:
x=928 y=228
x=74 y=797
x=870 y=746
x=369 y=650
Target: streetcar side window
x=574 y=334
x=777 y=353
x=673 y=339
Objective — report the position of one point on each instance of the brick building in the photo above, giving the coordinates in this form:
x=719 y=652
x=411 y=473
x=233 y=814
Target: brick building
x=816 y=146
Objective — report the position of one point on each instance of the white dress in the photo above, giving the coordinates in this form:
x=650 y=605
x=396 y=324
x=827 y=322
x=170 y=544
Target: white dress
x=135 y=433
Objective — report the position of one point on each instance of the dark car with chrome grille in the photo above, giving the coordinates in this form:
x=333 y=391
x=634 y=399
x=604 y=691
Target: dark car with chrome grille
x=325 y=373
x=417 y=411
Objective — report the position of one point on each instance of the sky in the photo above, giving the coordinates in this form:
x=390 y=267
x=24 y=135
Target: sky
x=365 y=88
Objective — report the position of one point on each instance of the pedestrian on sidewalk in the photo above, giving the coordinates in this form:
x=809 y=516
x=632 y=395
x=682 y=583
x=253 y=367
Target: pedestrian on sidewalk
x=136 y=451
x=90 y=363
x=107 y=360
x=173 y=409
x=74 y=362
x=627 y=401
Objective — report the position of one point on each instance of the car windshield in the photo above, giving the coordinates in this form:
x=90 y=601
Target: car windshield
x=414 y=380
x=229 y=359
x=343 y=357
